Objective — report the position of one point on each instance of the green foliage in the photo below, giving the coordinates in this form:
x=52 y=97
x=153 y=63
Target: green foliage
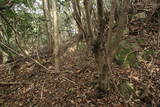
x=126 y=88
x=28 y=3
x=26 y=21
x=130 y=60
x=81 y=46
x=10 y=14
x=126 y=54
x=126 y=57
x=2 y=1
x=120 y=56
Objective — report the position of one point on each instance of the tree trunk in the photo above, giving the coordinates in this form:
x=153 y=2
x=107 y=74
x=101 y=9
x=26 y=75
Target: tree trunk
x=48 y=24
x=98 y=34
x=55 y=33
x=103 y=69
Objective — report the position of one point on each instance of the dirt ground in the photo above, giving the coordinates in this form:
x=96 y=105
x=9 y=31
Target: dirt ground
x=28 y=84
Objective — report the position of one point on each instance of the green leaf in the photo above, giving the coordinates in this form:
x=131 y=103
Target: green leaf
x=10 y=14
x=126 y=89
x=120 y=55
x=81 y=46
x=126 y=54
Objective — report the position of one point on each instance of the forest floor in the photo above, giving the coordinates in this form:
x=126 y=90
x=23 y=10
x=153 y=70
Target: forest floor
x=28 y=84
x=25 y=83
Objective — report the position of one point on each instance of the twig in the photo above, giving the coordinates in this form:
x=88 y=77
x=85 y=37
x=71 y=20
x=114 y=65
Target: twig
x=10 y=83
x=37 y=62
x=15 y=32
x=158 y=39
x=10 y=49
x=42 y=90
x=68 y=80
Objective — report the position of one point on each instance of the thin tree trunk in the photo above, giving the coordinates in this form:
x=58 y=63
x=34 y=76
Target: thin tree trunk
x=55 y=32
x=48 y=24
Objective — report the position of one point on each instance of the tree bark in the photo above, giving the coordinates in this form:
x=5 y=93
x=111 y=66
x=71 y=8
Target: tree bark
x=55 y=32
x=48 y=24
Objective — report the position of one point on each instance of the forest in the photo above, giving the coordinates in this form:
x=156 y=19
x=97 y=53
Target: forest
x=79 y=53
